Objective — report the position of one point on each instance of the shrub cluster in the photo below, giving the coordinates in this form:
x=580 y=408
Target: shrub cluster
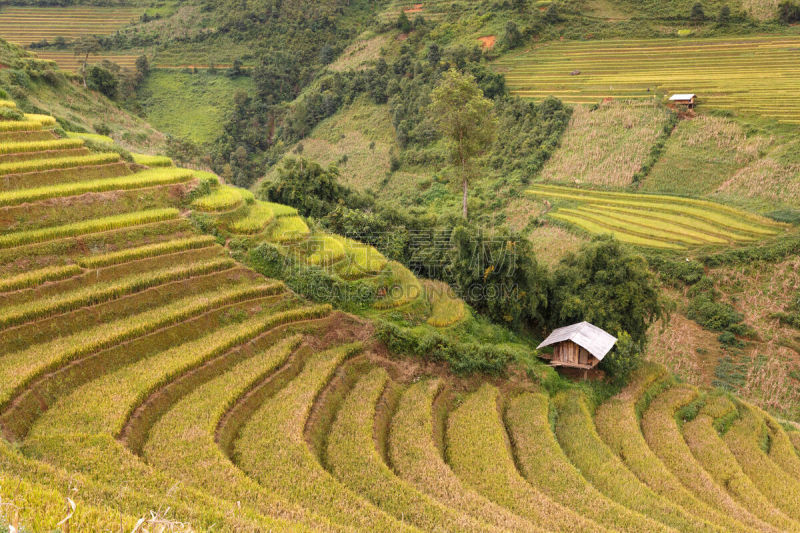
x=252 y=140
x=657 y=150
x=463 y=358
x=310 y=281
x=706 y=309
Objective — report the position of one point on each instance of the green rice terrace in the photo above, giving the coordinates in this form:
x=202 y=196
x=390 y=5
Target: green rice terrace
x=756 y=75
x=148 y=378
x=658 y=221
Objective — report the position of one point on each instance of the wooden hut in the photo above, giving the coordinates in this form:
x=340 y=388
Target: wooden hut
x=580 y=346
x=689 y=100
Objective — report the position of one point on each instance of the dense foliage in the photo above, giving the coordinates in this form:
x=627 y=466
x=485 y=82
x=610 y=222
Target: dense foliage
x=608 y=286
x=466 y=121
x=496 y=273
x=462 y=357
x=308 y=186
x=260 y=128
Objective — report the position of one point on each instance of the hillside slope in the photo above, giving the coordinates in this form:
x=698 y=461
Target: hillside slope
x=136 y=353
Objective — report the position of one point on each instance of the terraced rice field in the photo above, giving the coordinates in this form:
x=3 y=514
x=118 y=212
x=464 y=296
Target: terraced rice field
x=26 y=25
x=142 y=369
x=69 y=61
x=757 y=76
x=657 y=221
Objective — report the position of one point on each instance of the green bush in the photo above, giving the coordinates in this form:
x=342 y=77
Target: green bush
x=7 y=113
x=626 y=357
x=463 y=358
x=775 y=250
x=729 y=339
x=789 y=12
x=711 y=314
x=312 y=282
x=606 y=284
x=789 y=216
x=657 y=150
x=676 y=271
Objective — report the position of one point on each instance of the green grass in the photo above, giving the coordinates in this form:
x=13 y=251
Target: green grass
x=147 y=178
x=701 y=155
x=663 y=436
x=353 y=458
x=86 y=227
x=605 y=146
x=96 y=137
x=478 y=453
x=271 y=448
x=544 y=465
x=192 y=106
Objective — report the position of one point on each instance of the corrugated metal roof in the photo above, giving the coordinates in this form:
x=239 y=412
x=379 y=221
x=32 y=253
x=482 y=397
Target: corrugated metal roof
x=588 y=336
x=681 y=97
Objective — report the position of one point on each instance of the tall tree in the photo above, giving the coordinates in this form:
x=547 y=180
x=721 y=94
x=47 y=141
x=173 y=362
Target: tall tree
x=86 y=46
x=466 y=120
x=609 y=286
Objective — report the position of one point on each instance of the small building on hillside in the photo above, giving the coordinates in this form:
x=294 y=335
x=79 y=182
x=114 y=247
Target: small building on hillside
x=581 y=346
x=689 y=100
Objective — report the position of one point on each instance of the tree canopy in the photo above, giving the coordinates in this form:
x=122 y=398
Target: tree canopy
x=466 y=120
x=607 y=285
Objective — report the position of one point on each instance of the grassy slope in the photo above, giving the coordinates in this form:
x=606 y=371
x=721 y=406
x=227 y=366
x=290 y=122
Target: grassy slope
x=190 y=105
x=68 y=100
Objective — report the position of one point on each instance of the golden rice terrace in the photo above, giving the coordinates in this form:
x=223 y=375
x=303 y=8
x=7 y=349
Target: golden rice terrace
x=756 y=75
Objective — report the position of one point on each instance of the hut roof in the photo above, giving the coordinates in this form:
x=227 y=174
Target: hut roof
x=588 y=336
x=681 y=97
